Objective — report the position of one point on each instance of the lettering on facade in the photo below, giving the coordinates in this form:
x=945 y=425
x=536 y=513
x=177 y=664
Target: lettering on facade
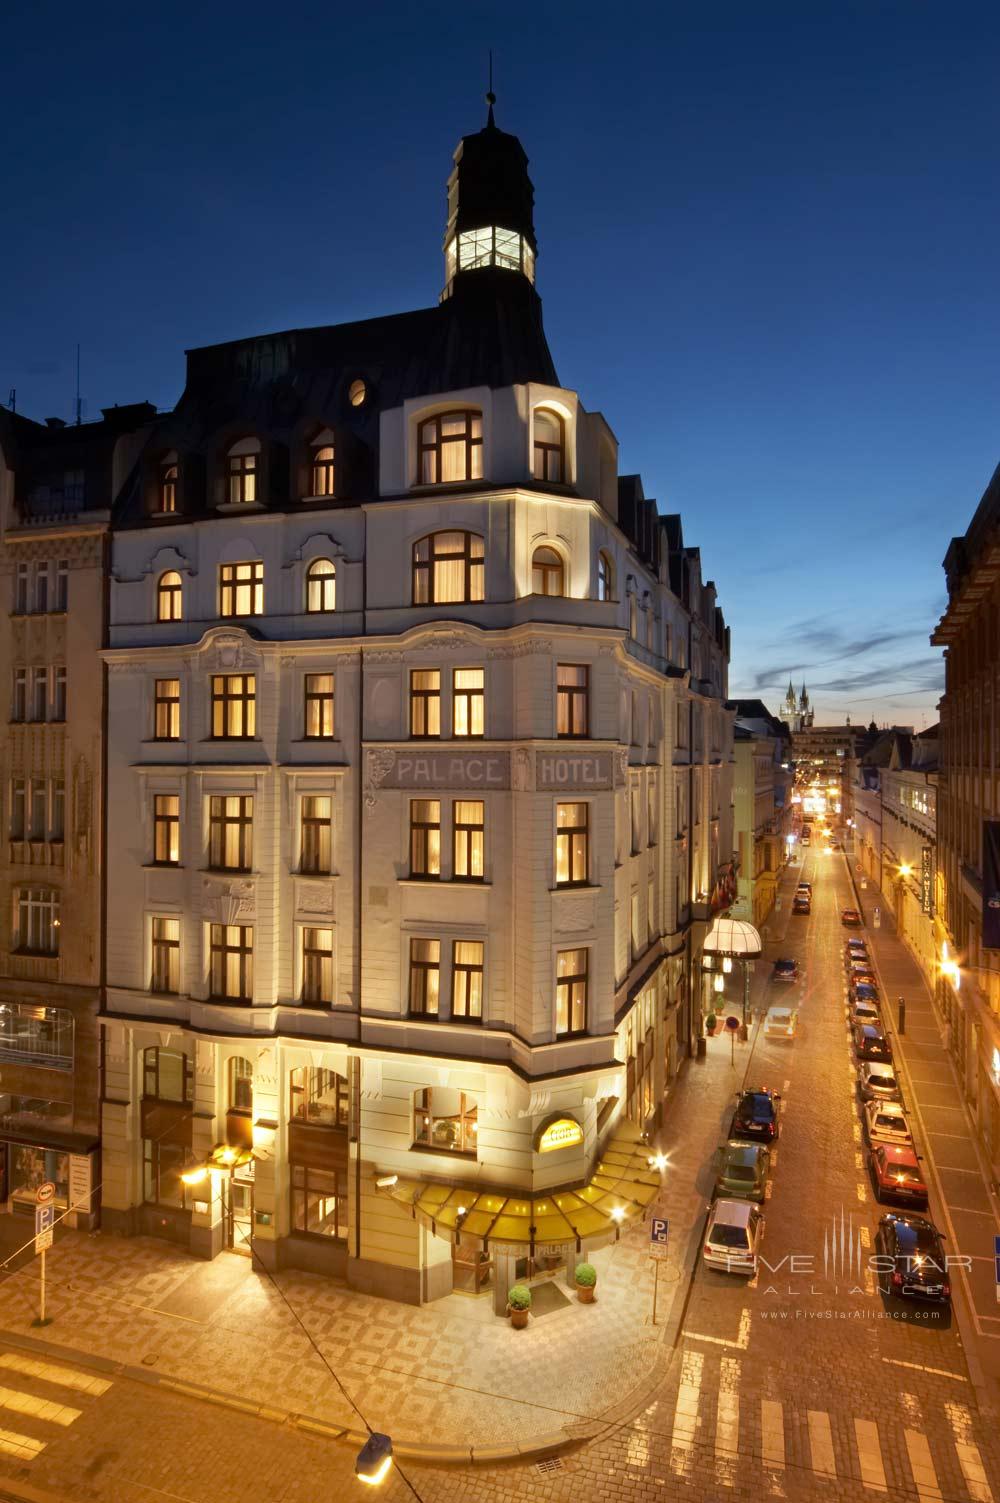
x=927 y=880
x=558 y=1132
x=448 y=770
x=557 y=770
x=80 y=1182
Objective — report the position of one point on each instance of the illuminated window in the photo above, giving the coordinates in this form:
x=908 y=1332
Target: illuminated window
x=242 y=469
x=318 y=1096
x=166 y=970
x=448 y=568
x=240 y=1085
x=230 y=833
x=321 y=585
x=572 y=845
x=468 y=702
x=166 y=829
x=322 y=464
x=319 y=723
x=234 y=706
x=36 y=921
x=356 y=393
x=317 y=835
x=450 y=448
x=425 y=837
x=547 y=573
x=425 y=976
x=319 y=1201
x=169 y=596
x=467 y=980
x=468 y=840
x=167 y=494
x=241 y=589
x=425 y=703
x=571 y=991
x=167 y=1075
x=605 y=577
x=167 y=709
x=231 y=962
x=317 y=966
x=550 y=447
x=490 y=246
x=445 y=1119
x=572 y=699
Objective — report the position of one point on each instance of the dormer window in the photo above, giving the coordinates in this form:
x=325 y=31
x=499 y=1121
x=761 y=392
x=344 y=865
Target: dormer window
x=169 y=596
x=473 y=250
x=548 y=575
x=243 y=461
x=450 y=448
x=605 y=577
x=550 y=447
x=167 y=496
x=322 y=471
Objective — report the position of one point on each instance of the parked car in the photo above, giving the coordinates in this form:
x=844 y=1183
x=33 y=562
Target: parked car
x=871 y=1043
x=850 y=917
x=856 y=949
x=859 y=965
x=854 y=942
x=801 y=905
x=864 y=1012
x=896 y=1174
x=742 y=1170
x=912 y=1262
x=862 y=991
x=781 y=1023
x=805 y=887
x=877 y=1081
x=785 y=970
x=885 y=1122
x=756 y=1115
x=733 y=1236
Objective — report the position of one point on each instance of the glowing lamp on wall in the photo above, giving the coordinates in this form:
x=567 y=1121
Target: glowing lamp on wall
x=558 y=1132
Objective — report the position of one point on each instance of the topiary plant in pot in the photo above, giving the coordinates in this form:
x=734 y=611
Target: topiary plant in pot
x=518 y=1305
x=586 y=1278
x=710 y=1023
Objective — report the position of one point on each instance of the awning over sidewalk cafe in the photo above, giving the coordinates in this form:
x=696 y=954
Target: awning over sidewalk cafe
x=621 y=1189
x=733 y=938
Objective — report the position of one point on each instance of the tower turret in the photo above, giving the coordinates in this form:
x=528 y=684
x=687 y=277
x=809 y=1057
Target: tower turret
x=490 y=208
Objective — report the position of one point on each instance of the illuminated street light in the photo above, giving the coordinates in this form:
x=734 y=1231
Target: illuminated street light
x=374 y=1459
x=658 y=1161
x=905 y=870
x=720 y=982
x=617 y=1214
x=949 y=967
x=727 y=964
x=195 y=1176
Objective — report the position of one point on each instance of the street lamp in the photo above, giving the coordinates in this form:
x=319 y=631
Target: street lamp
x=949 y=968
x=905 y=870
x=374 y=1459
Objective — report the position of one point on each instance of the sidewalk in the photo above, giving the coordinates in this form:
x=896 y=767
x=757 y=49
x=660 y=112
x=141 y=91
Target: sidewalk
x=946 y=1137
x=450 y=1376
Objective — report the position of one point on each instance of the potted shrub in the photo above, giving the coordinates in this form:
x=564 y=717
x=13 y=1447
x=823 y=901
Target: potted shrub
x=586 y=1278
x=711 y=1023
x=518 y=1305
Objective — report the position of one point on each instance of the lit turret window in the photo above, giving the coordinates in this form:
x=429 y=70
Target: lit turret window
x=490 y=246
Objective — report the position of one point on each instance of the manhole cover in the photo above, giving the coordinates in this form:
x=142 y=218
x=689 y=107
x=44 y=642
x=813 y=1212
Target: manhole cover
x=550 y=1464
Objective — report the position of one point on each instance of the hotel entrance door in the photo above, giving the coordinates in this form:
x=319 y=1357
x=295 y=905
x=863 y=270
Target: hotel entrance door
x=239 y=1209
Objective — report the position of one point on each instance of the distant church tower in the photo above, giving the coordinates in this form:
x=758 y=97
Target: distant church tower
x=796 y=713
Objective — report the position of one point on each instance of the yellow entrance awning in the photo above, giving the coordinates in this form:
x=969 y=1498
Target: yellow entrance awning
x=621 y=1189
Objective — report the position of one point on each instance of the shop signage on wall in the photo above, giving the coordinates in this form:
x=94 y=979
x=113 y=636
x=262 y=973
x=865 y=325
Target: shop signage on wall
x=555 y=771
x=558 y=1132
x=991 y=884
x=445 y=770
x=927 y=880
x=79 y=1182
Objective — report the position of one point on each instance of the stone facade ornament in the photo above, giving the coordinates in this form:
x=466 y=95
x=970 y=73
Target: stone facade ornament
x=378 y=766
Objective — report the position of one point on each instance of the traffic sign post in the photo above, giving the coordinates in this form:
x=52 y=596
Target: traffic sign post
x=732 y=1026
x=658 y=1231
x=45 y=1218
x=996 y=1264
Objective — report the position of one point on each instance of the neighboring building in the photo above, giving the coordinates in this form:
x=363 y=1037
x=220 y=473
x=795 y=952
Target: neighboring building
x=797 y=715
x=762 y=808
x=56 y=485
x=968 y=801
x=822 y=755
x=422 y=764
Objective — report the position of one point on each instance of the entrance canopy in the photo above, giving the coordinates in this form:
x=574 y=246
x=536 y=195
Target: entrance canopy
x=733 y=938
x=621 y=1188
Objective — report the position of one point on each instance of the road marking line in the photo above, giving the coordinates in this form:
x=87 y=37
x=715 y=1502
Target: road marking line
x=727 y=1422
x=939 y=1372
x=27 y=1403
x=859 y=1161
x=686 y=1413
x=969 y=1458
x=64 y=1377
x=864 y=1236
x=772 y=1434
x=24 y=1446
x=968 y=1210
x=821 y=1443
x=957 y=1169
x=862 y=1193
x=922 y=1467
x=870 y=1455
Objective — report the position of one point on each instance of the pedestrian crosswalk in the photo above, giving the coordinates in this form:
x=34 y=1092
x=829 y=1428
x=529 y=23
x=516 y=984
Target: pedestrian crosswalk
x=33 y=1402
x=930 y=1454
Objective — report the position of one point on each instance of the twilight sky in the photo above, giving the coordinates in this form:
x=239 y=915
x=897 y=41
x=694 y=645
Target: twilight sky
x=768 y=255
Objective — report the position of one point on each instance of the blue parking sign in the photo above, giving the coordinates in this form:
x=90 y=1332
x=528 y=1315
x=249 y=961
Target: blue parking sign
x=658 y=1233
x=996 y=1264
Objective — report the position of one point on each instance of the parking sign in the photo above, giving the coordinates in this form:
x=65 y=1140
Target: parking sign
x=658 y=1232
x=45 y=1216
x=996 y=1264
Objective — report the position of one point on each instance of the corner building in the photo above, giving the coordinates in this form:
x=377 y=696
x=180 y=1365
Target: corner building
x=420 y=771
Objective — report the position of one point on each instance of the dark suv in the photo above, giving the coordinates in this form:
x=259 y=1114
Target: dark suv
x=911 y=1260
x=871 y=1043
x=756 y=1116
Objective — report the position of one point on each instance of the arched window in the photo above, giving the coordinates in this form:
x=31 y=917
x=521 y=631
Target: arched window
x=450 y=448
x=240 y=1085
x=550 y=446
x=243 y=461
x=317 y=1095
x=322 y=454
x=167 y=492
x=169 y=596
x=547 y=573
x=321 y=585
x=605 y=577
x=448 y=568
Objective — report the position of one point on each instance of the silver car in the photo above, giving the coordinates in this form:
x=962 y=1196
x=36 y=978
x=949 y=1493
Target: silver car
x=877 y=1081
x=885 y=1122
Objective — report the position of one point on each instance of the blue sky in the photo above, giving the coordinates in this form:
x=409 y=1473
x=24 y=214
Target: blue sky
x=768 y=255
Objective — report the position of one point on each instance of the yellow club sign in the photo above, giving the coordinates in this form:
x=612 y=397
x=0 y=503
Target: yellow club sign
x=558 y=1132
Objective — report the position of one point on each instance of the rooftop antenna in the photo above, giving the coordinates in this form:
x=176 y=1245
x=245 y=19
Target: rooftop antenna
x=491 y=98
x=12 y=399
x=78 y=386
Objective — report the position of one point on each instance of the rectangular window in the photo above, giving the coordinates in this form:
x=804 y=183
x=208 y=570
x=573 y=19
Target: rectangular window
x=37 y=921
x=230 y=832
x=32 y=1035
x=61 y=593
x=231 y=962
x=166 y=829
x=650 y=911
x=467 y=980
x=319 y=1202
x=41 y=602
x=445 y=1119
x=234 y=706
x=317 y=1096
x=469 y=840
x=317 y=966
x=636 y=834
x=18 y=804
x=241 y=589
x=425 y=976
x=572 y=699
x=21 y=591
x=167 y=1075
x=166 y=972
x=425 y=837
x=319 y=706
x=38 y=810
x=634 y=718
x=572 y=845
x=651 y=820
x=633 y=929
x=468 y=702
x=425 y=703
x=162 y=1167
x=167 y=709
x=317 y=835
x=39 y=693
x=19 y=695
x=59 y=696
x=57 y=813
x=571 y=991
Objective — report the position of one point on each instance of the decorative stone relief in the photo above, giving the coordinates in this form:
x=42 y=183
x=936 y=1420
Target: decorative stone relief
x=115 y=1041
x=229 y=650
x=522 y=779
x=378 y=765
x=204 y=1057
x=371 y=1079
x=445 y=641
x=83 y=812
x=315 y=897
x=384 y=655
x=266 y=1073
x=227 y=902
x=621 y=766
x=573 y=914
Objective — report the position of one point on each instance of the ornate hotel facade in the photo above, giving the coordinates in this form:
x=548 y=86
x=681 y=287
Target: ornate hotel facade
x=420 y=794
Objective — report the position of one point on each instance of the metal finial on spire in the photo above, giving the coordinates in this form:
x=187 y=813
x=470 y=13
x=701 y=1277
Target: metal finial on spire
x=491 y=98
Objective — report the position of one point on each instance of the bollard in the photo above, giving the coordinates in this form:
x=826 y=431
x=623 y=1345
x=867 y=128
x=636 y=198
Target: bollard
x=902 y=1016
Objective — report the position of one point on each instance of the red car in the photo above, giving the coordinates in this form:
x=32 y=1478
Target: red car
x=851 y=918
x=896 y=1174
